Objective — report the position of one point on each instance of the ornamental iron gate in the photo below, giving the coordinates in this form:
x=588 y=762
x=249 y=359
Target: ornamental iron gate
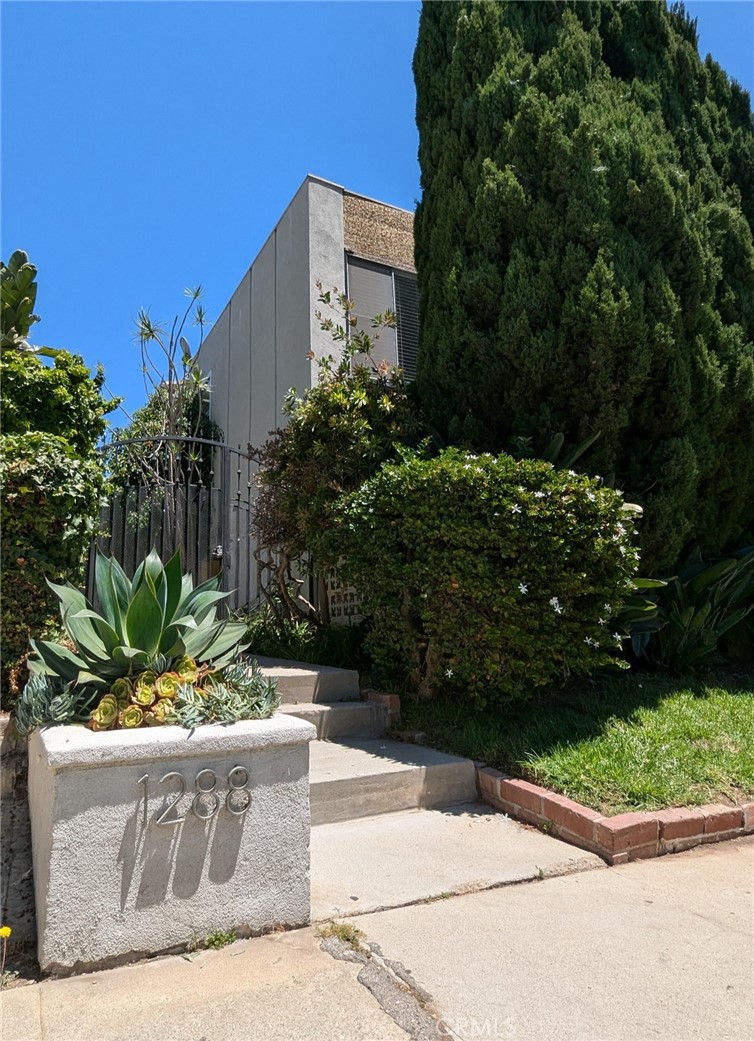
x=172 y=493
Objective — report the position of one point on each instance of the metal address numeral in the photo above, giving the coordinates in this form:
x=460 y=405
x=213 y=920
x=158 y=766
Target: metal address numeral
x=206 y=802
x=174 y=820
x=238 y=799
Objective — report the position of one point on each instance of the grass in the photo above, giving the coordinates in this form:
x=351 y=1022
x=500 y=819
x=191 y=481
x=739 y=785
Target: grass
x=637 y=742
x=343 y=931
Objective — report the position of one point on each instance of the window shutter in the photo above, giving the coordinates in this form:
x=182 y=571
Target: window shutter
x=370 y=287
x=407 y=311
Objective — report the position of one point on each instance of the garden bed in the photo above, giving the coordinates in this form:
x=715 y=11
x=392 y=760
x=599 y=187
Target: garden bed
x=628 y=768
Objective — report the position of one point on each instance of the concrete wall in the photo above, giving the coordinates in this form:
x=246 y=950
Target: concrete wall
x=144 y=839
x=258 y=348
x=326 y=261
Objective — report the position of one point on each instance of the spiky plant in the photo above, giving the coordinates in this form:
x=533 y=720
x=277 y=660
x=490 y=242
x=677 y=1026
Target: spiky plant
x=158 y=613
x=155 y=655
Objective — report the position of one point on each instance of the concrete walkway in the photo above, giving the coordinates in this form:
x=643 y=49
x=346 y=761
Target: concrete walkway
x=660 y=949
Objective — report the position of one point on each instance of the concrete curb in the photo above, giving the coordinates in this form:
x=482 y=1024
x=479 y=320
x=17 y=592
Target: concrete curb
x=628 y=836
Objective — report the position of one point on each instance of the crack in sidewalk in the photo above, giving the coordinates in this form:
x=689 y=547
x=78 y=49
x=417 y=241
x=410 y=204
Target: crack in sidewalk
x=394 y=989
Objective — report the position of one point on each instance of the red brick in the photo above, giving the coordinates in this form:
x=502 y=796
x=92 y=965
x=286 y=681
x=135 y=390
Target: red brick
x=679 y=845
x=523 y=794
x=680 y=823
x=391 y=701
x=527 y=816
x=748 y=811
x=626 y=831
x=565 y=813
x=721 y=818
x=722 y=836
x=514 y=811
x=644 y=852
x=487 y=779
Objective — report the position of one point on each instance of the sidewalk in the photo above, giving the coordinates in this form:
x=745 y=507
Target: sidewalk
x=659 y=949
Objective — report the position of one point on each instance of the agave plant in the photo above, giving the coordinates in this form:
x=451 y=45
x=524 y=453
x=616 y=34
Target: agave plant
x=157 y=617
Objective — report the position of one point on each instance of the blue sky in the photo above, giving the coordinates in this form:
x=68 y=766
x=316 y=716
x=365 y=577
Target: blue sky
x=149 y=146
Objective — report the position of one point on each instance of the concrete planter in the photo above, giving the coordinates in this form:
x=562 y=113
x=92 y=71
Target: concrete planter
x=146 y=839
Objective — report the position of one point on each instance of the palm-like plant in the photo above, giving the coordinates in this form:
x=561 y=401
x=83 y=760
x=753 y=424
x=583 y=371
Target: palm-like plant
x=156 y=615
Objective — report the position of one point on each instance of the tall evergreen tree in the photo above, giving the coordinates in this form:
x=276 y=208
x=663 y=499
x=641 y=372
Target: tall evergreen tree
x=584 y=249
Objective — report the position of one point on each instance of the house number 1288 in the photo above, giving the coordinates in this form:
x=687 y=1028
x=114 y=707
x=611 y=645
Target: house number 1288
x=206 y=802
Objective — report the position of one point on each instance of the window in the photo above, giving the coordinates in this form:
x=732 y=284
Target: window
x=374 y=289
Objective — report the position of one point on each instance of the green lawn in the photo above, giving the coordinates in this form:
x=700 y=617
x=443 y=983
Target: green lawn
x=636 y=742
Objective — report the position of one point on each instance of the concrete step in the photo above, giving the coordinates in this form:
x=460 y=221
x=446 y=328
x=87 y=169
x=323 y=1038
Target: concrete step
x=367 y=778
x=396 y=859
x=301 y=682
x=343 y=720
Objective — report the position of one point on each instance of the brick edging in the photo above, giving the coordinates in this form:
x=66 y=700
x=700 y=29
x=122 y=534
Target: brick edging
x=628 y=836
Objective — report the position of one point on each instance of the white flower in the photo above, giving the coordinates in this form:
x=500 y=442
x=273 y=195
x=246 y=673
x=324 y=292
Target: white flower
x=591 y=496
x=515 y=508
x=539 y=495
x=600 y=621
x=588 y=641
x=449 y=673
x=607 y=608
x=596 y=643
x=618 y=638
x=523 y=587
x=555 y=605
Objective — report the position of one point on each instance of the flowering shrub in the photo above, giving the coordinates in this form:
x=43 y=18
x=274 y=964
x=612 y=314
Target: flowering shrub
x=486 y=576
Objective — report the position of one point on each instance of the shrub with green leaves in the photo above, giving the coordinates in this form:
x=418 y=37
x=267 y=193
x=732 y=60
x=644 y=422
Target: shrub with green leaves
x=485 y=576
x=156 y=654
x=49 y=502
x=696 y=609
x=585 y=252
x=62 y=399
x=339 y=433
x=52 y=483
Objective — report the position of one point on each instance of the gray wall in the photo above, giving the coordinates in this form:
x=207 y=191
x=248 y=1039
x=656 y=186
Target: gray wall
x=258 y=347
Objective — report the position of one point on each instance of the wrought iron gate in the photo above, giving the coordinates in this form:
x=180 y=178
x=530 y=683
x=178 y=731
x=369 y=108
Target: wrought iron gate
x=172 y=493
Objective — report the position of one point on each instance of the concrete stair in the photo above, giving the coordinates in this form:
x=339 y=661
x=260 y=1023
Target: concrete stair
x=393 y=823
x=366 y=778
x=301 y=682
x=354 y=770
x=343 y=720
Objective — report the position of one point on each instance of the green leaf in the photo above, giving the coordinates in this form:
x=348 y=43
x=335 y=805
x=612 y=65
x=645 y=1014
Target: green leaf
x=144 y=620
x=58 y=659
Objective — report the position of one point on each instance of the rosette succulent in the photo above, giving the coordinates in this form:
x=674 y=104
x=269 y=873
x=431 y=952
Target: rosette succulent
x=157 y=613
x=167 y=685
x=144 y=695
x=105 y=715
x=131 y=717
x=122 y=691
x=160 y=713
x=156 y=654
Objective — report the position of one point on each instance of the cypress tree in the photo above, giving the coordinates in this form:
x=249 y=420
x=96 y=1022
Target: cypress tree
x=584 y=250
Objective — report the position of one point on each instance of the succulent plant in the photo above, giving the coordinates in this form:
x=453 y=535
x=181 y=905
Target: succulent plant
x=47 y=699
x=157 y=616
x=242 y=691
x=156 y=655
x=106 y=714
